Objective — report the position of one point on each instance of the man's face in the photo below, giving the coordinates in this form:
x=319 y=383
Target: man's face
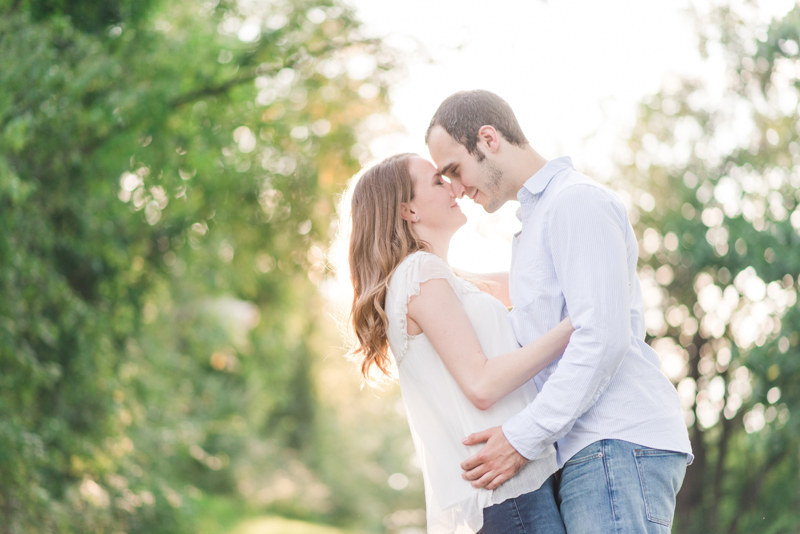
x=480 y=180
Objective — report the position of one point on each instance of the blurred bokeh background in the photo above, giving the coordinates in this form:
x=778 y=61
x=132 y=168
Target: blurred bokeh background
x=170 y=176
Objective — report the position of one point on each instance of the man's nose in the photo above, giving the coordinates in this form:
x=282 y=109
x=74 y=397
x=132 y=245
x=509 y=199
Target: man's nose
x=458 y=188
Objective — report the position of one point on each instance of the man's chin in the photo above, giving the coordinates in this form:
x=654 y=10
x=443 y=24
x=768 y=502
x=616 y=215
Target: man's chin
x=491 y=206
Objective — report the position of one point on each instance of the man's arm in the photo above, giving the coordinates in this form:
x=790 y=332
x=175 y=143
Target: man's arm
x=586 y=238
x=496 y=284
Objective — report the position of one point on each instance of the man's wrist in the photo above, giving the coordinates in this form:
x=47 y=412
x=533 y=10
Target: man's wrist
x=518 y=442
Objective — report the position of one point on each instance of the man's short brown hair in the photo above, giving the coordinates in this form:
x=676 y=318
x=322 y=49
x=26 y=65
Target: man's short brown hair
x=464 y=113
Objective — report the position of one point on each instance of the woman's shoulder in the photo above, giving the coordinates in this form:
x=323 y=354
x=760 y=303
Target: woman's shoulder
x=423 y=257
x=420 y=266
x=404 y=284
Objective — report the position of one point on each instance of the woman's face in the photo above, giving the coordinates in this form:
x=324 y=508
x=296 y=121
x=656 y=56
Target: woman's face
x=434 y=202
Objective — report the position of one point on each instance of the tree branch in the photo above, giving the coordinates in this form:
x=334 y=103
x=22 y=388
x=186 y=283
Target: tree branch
x=182 y=100
x=728 y=426
x=211 y=91
x=691 y=497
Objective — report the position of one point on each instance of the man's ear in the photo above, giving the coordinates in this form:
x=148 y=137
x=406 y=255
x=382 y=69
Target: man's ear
x=489 y=137
x=407 y=212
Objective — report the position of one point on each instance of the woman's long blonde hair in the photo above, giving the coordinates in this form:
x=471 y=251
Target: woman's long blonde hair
x=380 y=239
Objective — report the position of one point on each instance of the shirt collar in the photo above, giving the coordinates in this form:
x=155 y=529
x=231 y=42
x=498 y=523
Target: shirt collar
x=539 y=181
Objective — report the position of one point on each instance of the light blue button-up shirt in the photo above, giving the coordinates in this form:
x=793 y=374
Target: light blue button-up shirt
x=576 y=256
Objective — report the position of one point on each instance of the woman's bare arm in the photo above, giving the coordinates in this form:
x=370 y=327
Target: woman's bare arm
x=439 y=314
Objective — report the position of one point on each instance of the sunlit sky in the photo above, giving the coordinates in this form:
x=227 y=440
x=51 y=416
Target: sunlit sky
x=572 y=70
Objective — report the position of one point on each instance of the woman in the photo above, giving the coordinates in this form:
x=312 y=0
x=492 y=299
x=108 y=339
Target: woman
x=459 y=364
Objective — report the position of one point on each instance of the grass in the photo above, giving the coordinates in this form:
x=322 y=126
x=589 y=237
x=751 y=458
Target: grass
x=219 y=515
x=278 y=525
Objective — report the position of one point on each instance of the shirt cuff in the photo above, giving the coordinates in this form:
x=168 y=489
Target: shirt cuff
x=522 y=436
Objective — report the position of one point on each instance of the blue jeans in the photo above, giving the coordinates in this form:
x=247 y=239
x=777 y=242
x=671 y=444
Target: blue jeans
x=613 y=486
x=532 y=513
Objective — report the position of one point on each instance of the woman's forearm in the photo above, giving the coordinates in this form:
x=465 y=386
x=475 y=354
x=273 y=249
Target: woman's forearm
x=440 y=315
x=503 y=374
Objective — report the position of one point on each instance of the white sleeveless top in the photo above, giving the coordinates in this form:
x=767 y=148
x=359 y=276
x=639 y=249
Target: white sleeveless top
x=439 y=414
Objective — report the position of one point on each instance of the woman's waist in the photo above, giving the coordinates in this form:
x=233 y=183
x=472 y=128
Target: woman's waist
x=433 y=393
x=449 y=490
x=442 y=425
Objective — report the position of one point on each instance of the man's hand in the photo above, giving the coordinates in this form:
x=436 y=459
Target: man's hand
x=495 y=463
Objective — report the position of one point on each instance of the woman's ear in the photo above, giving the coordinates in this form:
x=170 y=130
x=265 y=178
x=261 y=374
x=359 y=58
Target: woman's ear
x=407 y=212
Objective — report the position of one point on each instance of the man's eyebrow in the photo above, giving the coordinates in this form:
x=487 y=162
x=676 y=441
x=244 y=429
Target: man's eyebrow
x=447 y=168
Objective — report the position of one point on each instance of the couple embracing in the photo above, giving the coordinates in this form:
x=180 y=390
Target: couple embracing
x=554 y=417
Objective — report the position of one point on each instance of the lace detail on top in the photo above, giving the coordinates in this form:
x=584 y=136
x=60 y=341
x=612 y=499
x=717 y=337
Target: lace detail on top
x=413 y=271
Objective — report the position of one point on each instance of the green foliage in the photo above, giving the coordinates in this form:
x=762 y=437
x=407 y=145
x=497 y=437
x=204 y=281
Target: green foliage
x=93 y=16
x=714 y=178
x=166 y=192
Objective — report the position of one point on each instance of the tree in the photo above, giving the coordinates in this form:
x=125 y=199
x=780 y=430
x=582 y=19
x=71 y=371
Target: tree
x=166 y=191
x=712 y=179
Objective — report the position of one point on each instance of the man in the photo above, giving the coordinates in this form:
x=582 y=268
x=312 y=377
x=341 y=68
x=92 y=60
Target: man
x=616 y=420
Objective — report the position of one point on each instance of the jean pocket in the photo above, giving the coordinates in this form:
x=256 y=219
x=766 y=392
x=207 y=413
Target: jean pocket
x=661 y=475
x=583 y=459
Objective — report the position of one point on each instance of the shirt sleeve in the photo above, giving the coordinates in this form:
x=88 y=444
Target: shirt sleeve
x=586 y=237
